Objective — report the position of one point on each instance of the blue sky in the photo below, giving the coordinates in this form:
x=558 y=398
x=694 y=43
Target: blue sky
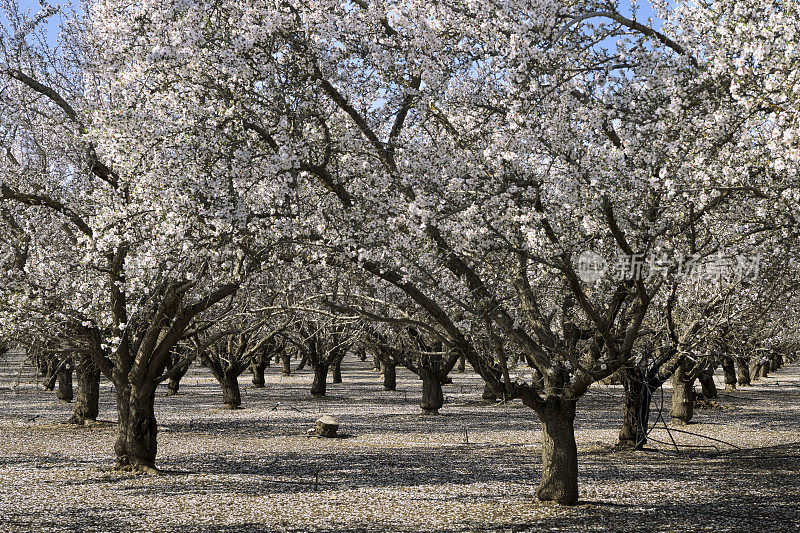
x=34 y=7
x=645 y=11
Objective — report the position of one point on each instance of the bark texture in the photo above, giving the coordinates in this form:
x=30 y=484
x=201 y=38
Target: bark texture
x=258 y=368
x=775 y=362
x=175 y=381
x=742 y=372
x=136 y=444
x=65 y=391
x=559 y=452
x=729 y=371
x=286 y=360
x=432 y=396
x=682 y=409
x=636 y=409
x=389 y=370
x=336 y=371
x=231 y=394
x=88 y=395
x=320 y=385
x=488 y=395
x=708 y=387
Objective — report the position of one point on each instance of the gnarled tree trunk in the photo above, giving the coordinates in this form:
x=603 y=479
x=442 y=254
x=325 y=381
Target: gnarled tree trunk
x=708 y=387
x=175 y=381
x=389 y=369
x=136 y=444
x=488 y=395
x=258 y=366
x=231 y=395
x=64 y=375
x=336 y=371
x=286 y=359
x=226 y=372
x=47 y=366
x=432 y=396
x=88 y=396
x=636 y=408
x=559 y=452
x=320 y=384
x=742 y=372
x=682 y=409
x=755 y=370
x=729 y=371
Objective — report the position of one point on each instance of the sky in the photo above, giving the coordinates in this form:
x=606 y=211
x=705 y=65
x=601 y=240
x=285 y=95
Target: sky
x=645 y=11
x=53 y=23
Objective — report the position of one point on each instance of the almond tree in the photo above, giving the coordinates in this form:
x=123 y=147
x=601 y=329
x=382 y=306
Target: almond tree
x=127 y=256
x=232 y=344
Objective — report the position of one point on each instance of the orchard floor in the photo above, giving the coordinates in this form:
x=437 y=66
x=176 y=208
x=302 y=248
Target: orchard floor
x=474 y=468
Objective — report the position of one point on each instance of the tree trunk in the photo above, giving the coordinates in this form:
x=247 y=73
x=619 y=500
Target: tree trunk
x=559 y=452
x=537 y=379
x=175 y=381
x=303 y=361
x=389 y=375
x=88 y=396
x=709 y=388
x=258 y=367
x=488 y=395
x=231 y=395
x=432 y=397
x=763 y=369
x=755 y=370
x=320 y=384
x=774 y=362
x=286 y=359
x=636 y=409
x=47 y=367
x=173 y=385
x=729 y=371
x=742 y=372
x=136 y=430
x=462 y=364
x=65 y=393
x=175 y=358
x=682 y=409
x=336 y=371
x=376 y=363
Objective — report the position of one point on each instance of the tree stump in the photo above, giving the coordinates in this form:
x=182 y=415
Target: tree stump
x=326 y=426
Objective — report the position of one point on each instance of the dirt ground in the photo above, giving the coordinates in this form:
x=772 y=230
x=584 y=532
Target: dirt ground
x=474 y=468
